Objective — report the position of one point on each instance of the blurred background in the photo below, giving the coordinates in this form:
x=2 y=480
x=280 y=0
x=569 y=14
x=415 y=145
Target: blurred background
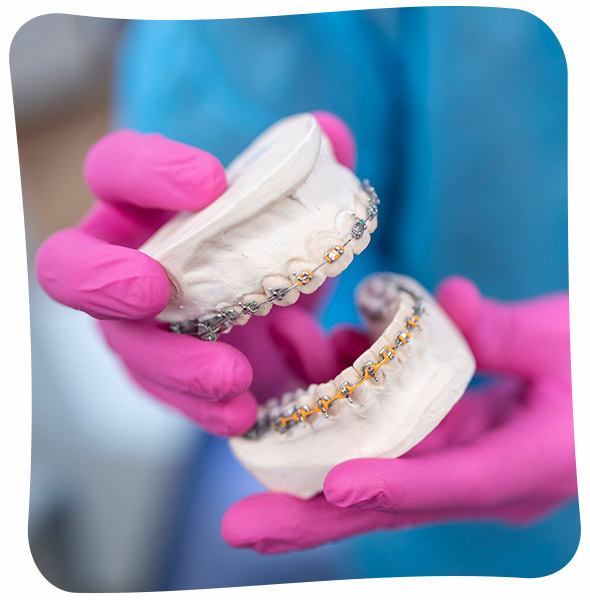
x=460 y=116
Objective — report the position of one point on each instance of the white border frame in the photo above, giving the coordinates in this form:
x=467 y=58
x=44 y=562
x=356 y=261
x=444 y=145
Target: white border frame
x=20 y=577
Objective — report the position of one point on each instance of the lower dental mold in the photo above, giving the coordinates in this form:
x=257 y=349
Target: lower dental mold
x=393 y=395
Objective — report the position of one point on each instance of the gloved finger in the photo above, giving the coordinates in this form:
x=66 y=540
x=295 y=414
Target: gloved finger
x=181 y=363
x=303 y=345
x=349 y=344
x=232 y=417
x=506 y=463
x=123 y=224
x=131 y=170
x=528 y=338
x=272 y=523
x=105 y=281
x=152 y=171
x=340 y=135
x=481 y=408
x=521 y=512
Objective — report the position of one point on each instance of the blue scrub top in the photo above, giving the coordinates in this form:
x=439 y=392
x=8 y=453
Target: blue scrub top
x=460 y=116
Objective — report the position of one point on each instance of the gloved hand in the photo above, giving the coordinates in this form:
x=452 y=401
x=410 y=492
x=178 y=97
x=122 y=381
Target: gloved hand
x=505 y=451
x=141 y=181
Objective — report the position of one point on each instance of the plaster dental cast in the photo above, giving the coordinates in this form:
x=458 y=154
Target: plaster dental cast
x=294 y=214
x=291 y=216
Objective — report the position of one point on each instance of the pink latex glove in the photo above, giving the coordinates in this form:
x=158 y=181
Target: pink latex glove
x=141 y=181
x=505 y=451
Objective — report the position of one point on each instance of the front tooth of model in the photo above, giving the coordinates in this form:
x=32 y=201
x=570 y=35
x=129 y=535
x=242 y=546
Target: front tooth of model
x=273 y=407
x=358 y=244
x=369 y=357
x=262 y=412
x=319 y=392
x=307 y=278
x=349 y=376
x=277 y=285
x=286 y=399
x=243 y=318
x=326 y=389
x=335 y=255
x=361 y=207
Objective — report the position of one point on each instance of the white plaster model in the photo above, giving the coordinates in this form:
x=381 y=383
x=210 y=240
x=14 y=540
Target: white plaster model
x=386 y=418
x=288 y=202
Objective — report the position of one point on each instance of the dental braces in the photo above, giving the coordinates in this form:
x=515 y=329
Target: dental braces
x=298 y=414
x=210 y=328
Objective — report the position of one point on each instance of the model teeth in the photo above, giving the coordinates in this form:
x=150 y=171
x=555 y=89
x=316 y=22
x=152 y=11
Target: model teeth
x=273 y=408
x=334 y=253
x=304 y=277
x=373 y=366
x=399 y=391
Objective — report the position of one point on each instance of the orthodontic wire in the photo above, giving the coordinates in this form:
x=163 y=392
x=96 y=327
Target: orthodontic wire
x=298 y=414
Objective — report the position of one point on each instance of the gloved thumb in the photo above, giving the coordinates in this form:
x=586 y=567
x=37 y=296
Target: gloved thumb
x=526 y=337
